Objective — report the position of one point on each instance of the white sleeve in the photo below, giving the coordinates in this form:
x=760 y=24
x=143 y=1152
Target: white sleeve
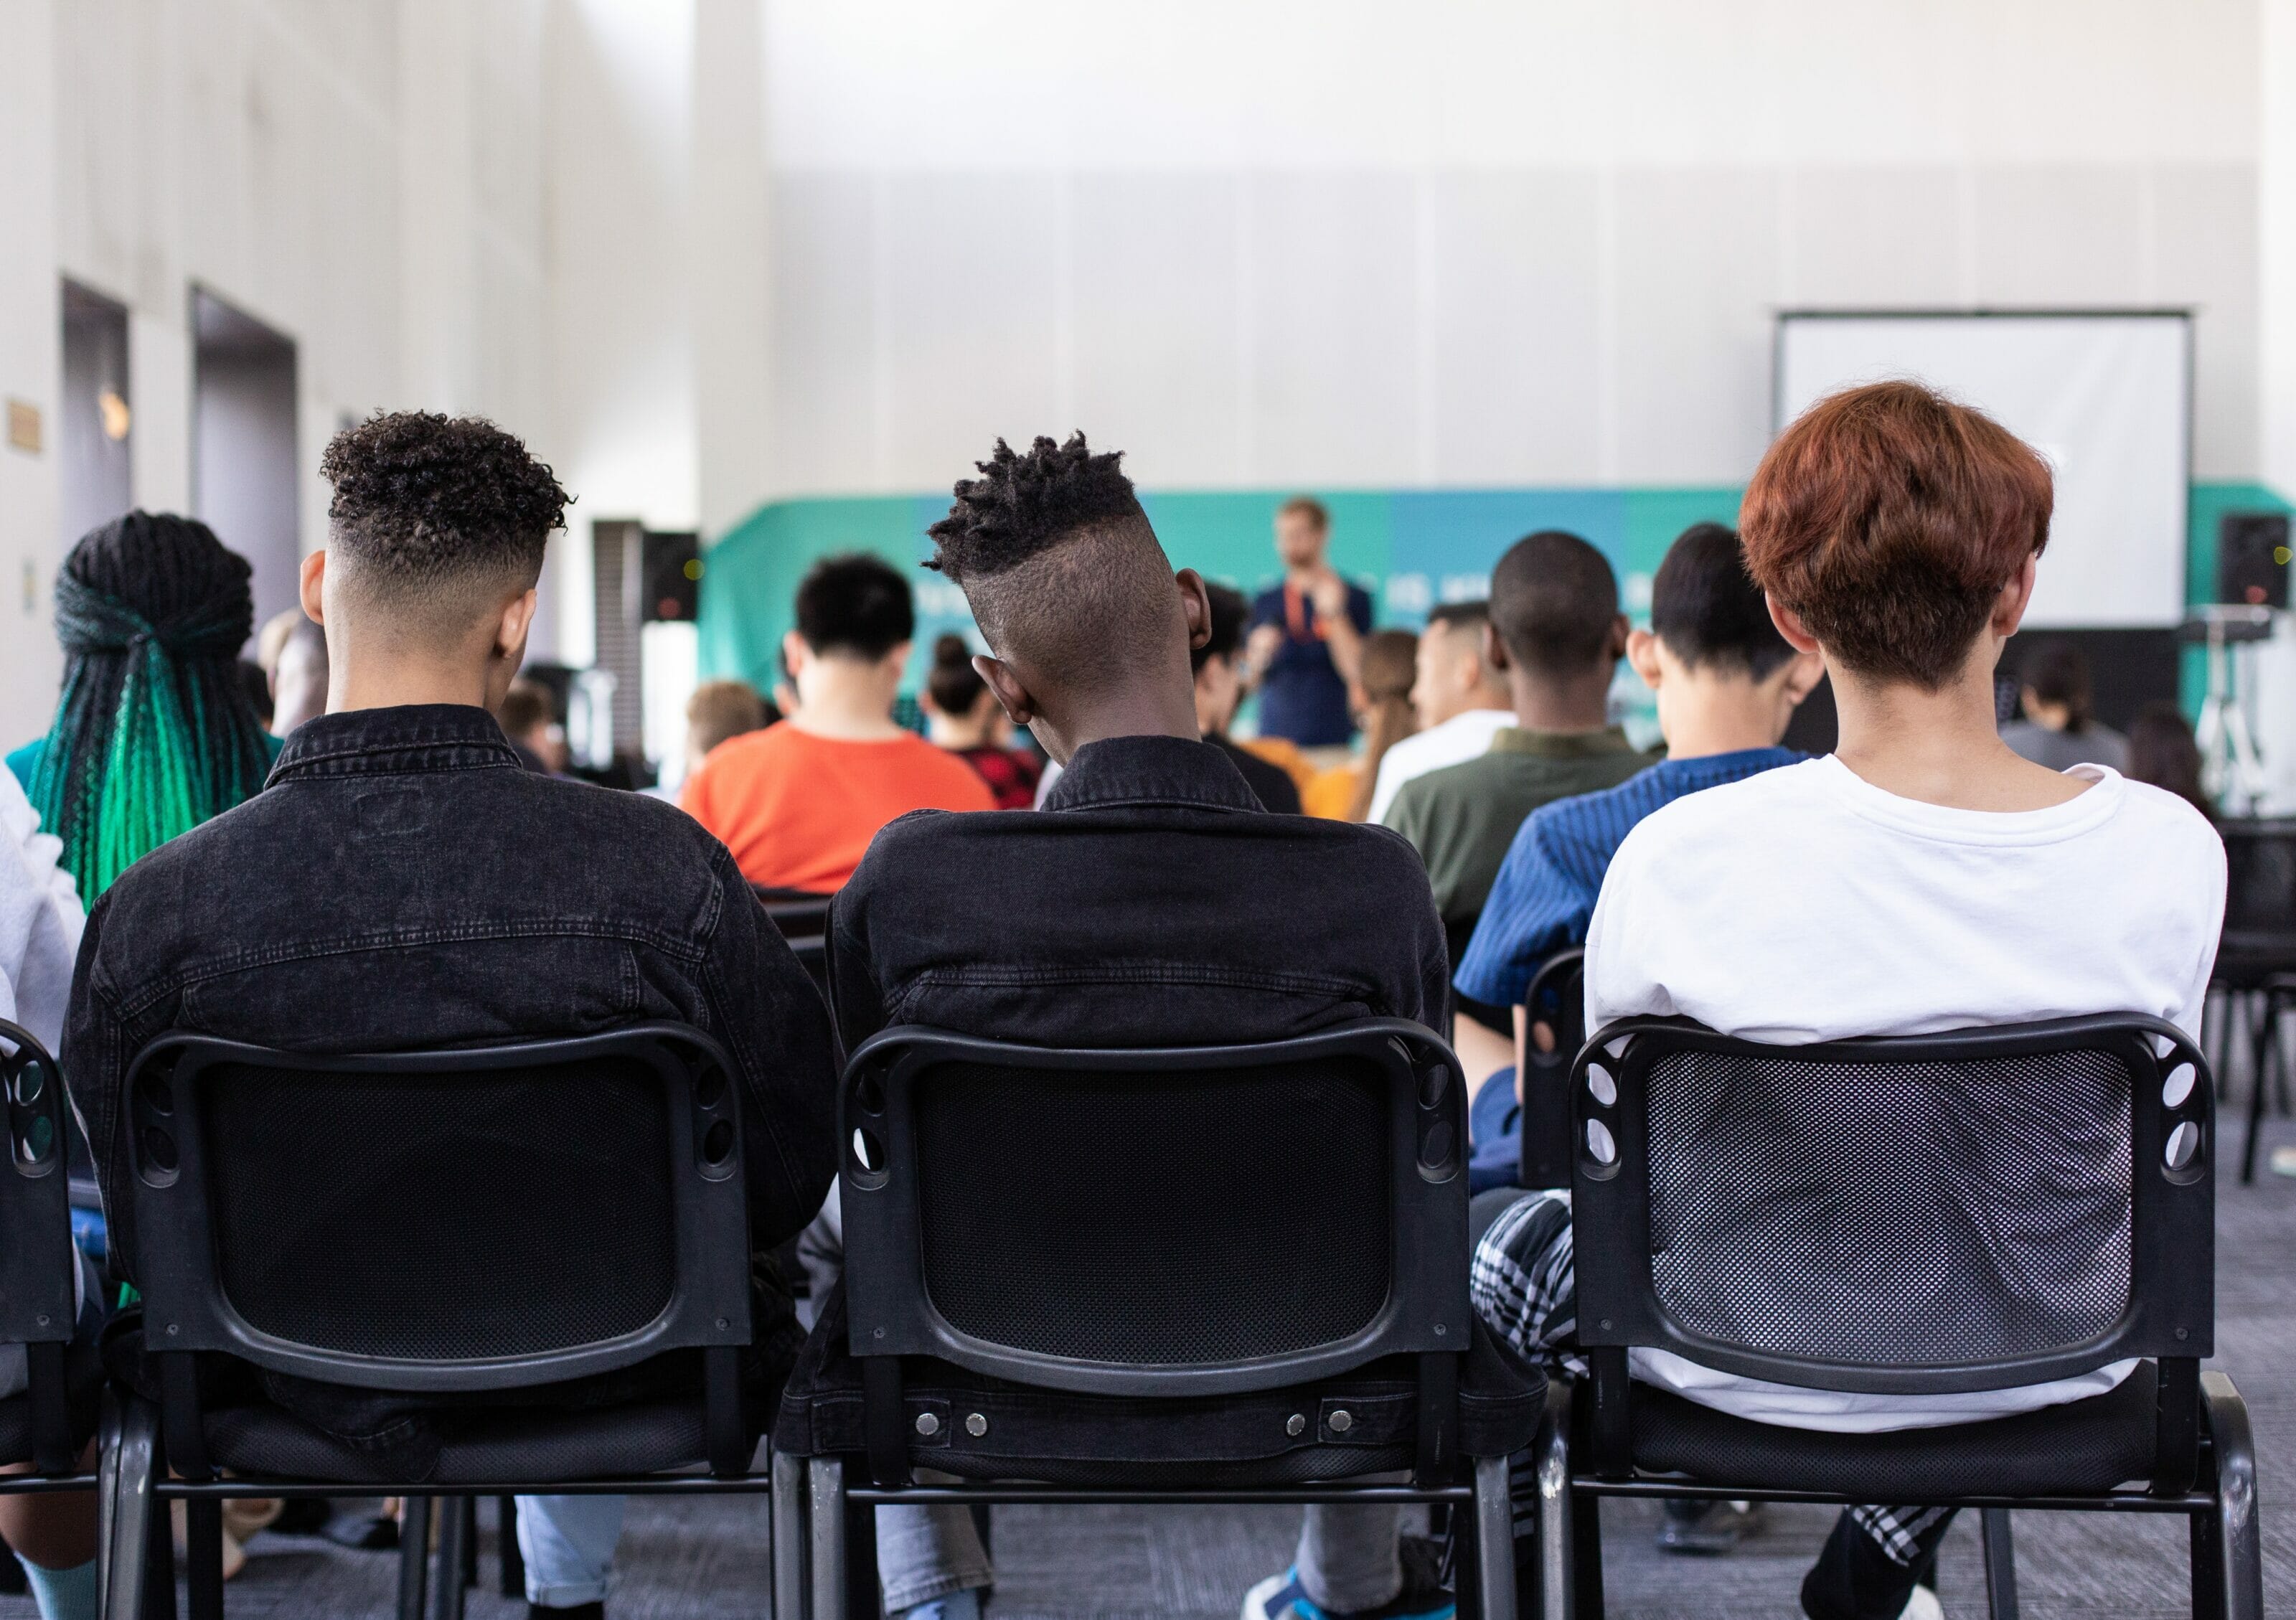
x=40 y=919
x=1383 y=788
x=1621 y=940
x=2208 y=878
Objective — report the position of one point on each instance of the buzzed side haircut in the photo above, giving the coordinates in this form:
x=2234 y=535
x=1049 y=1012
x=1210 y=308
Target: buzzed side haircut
x=1456 y=616
x=435 y=516
x=1554 y=601
x=1060 y=565
x=1707 y=609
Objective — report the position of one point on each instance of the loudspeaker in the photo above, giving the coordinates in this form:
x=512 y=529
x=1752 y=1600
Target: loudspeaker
x=2252 y=558
x=673 y=577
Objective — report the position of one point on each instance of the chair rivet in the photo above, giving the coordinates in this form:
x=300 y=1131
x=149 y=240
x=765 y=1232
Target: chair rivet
x=42 y=1320
x=172 y=1330
x=880 y=1333
x=2181 y=1333
x=1295 y=1424
x=1341 y=1422
x=721 y=1324
x=1440 y=1329
x=928 y=1424
x=976 y=1425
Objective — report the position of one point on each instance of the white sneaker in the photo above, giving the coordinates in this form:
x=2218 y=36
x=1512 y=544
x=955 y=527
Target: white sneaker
x=1922 y=1605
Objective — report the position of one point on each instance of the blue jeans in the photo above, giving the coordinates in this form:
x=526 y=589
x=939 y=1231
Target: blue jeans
x=568 y=1543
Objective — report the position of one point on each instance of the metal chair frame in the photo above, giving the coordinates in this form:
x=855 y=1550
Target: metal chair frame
x=2205 y=1464
x=187 y=1309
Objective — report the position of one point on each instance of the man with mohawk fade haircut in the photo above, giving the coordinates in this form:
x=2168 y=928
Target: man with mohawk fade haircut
x=1151 y=902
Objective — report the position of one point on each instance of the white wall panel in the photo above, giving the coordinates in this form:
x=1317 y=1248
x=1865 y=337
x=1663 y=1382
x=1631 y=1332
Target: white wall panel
x=2061 y=234
x=1874 y=237
x=825 y=335
x=2205 y=255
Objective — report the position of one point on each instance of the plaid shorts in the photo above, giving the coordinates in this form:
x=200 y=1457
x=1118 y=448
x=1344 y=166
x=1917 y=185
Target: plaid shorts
x=1525 y=1289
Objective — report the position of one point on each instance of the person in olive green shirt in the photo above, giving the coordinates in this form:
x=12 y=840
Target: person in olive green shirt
x=1557 y=634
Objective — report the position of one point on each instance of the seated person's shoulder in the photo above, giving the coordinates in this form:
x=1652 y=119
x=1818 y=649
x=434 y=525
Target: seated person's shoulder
x=1734 y=820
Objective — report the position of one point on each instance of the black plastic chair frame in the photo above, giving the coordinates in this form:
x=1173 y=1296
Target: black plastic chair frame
x=2204 y=1451
x=892 y=1313
x=186 y=1307
x=1558 y=990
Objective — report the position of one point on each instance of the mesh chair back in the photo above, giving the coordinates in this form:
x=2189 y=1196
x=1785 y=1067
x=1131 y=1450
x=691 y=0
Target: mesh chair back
x=1187 y=1222
x=473 y=1219
x=1954 y=1212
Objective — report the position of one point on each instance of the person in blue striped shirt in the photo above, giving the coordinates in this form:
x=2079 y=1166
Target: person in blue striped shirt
x=1726 y=683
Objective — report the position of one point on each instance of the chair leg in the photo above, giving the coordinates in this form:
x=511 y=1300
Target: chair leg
x=160 y=1567
x=2000 y=1564
x=413 y=1557
x=469 y=1540
x=129 y=1460
x=506 y=1548
x=788 y=1505
x=825 y=1516
x=1586 y=1558
x=454 y=1521
x=1495 y=1538
x=2239 y=1578
x=863 y=1597
x=2260 y=1043
x=1558 y=1541
x=203 y=1556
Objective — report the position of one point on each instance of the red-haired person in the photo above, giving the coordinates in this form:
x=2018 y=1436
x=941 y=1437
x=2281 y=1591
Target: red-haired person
x=1922 y=878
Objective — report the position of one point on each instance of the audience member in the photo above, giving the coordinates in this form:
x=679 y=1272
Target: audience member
x=1726 y=684
x=1380 y=699
x=1556 y=635
x=1306 y=634
x=2161 y=752
x=718 y=711
x=962 y=716
x=441 y=896
x=257 y=685
x=1459 y=696
x=299 y=675
x=798 y=802
x=1922 y=878
x=528 y=718
x=1219 y=688
x=1151 y=902
x=53 y=1535
x=2060 y=728
x=153 y=732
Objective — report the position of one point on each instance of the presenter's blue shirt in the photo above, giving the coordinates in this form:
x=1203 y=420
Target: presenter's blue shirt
x=1545 y=895
x=1303 y=696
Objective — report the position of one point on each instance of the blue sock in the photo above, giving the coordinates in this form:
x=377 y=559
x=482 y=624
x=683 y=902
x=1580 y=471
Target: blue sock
x=964 y=1604
x=63 y=1594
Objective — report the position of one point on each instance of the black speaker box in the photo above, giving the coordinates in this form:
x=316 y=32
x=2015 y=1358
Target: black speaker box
x=2252 y=558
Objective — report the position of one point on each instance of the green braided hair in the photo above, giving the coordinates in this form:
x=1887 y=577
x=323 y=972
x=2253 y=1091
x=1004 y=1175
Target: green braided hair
x=154 y=732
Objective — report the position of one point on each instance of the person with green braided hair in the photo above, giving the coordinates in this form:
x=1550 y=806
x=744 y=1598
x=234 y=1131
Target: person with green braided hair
x=153 y=732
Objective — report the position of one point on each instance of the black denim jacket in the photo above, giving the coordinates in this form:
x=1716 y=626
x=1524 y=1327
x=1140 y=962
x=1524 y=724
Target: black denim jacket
x=1151 y=902
x=401 y=882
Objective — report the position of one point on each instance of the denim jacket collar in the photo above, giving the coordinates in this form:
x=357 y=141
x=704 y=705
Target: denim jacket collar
x=1118 y=771
x=410 y=738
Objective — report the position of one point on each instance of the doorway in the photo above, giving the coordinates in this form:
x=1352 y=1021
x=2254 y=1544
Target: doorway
x=92 y=467
x=244 y=479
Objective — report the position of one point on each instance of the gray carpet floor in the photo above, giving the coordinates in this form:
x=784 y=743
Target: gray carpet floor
x=697 y=1560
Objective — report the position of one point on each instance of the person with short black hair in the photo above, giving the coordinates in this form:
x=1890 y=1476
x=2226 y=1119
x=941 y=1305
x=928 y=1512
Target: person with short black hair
x=1219 y=690
x=1151 y=902
x=2058 y=728
x=440 y=895
x=529 y=717
x=962 y=716
x=1459 y=698
x=1306 y=634
x=798 y=802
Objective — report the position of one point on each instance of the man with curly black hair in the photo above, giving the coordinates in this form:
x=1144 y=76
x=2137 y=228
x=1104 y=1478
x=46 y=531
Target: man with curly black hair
x=1151 y=902
x=402 y=883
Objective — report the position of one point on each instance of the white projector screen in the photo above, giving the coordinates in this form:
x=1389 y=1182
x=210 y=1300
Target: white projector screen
x=2107 y=399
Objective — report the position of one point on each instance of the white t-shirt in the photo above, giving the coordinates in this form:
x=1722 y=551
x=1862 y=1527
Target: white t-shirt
x=1456 y=742
x=1807 y=904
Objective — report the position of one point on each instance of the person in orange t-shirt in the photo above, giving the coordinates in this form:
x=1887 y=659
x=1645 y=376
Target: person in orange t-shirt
x=797 y=802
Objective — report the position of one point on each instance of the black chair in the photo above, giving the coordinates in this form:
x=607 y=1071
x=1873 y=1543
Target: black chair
x=1213 y=1274
x=803 y=918
x=1921 y=1215
x=49 y=1423
x=458 y=1224
x=1557 y=998
x=2256 y=961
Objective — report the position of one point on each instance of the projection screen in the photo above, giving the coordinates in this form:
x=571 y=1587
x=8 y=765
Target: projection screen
x=2107 y=399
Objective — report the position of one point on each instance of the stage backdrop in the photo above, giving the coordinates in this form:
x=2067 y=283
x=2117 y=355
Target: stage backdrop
x=1410 y=548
